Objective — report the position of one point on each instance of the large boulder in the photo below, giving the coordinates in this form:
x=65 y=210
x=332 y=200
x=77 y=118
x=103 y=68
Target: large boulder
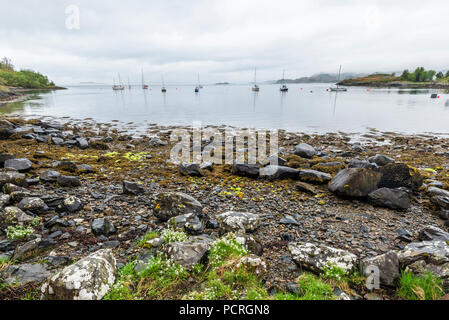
x=305 y=150
x=278 y=172
x=381 y=160
x=239 y=222
x=318 y=257
x=395 y=199
x=188 y=253
x=87 y=279
x=314 y=176
x=397 y=175
x=355 y=182
x=21 y=164
x=388 y=265
x=172 y=204
x=246 y=170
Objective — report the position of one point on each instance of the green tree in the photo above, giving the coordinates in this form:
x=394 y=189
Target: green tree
x=440 y=75
x=405 y=75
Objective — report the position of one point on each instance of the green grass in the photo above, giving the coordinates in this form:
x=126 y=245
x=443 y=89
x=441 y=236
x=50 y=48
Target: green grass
x=18 y=232
x=169 y=235
x=311 y=287
x=225 y=248
x=143 y=243
x=419 y=287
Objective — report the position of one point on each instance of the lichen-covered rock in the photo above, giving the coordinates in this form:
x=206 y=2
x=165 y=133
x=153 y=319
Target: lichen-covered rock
x=397 y=175
x=253 y=263
x=388 y=265
x=313 y=176
x=440 y=248
x=87 y=279
x=355 y=182
x=172 y=204
x=14 y=216
x=318 y=257
x=72 y=204
x=305 y=150
x=395 y=199
x=240 y=222
x=189 y=222
x=188 y=253
x=33 y=204
x=132 y=188
x=278 y=172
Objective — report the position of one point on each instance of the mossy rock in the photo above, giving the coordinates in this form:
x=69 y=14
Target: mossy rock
x=396 y=175
x=294 y=161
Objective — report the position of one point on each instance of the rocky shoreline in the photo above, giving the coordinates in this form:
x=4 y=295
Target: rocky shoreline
x=82 y=200
x=397 y=85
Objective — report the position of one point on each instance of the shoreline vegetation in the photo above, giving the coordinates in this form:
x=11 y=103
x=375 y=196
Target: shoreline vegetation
x=15 y=84
x=86 y=200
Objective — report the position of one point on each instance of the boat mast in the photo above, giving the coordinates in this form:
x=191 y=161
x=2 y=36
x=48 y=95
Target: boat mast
x=255 y=79
x=339 y=72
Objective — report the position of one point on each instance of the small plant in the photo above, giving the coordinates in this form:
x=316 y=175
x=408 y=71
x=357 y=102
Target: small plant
x=420 y=287
x=310 y=288
x=147 y=237
x=19 y=232
x=334 y=272
x=225 y=247
x=169 y=235
x=36 y=221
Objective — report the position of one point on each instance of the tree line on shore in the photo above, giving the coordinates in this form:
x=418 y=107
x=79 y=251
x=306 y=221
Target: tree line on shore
x=24 y=78
x=422 y=75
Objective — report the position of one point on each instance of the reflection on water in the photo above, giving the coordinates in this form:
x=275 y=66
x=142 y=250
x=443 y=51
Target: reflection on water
x=305 y=107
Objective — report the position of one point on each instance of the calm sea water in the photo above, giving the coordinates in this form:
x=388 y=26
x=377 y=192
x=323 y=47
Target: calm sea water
x=305 y=108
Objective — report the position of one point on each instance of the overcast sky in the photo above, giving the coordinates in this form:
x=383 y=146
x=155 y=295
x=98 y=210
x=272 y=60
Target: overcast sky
x=222 y=40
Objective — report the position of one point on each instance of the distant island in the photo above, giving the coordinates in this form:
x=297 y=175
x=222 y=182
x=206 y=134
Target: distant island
x=420 y=78
x=14 y=83
x=222 y=83
x=320 y=78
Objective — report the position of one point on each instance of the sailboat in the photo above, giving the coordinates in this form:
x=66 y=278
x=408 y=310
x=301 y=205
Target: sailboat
x=197 y=88
x=199 y=83
x=144 y=86
x=163 y=85
x=337 y=88
x=283 y=87
x=255 y=88
x=129 y=85
x=118 y=86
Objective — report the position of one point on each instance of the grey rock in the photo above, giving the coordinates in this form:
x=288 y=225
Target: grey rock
x=82 y=143
x=317 y=257
x=66 y=166
x=72 y=204
x=14 y=216
x=188 y=253
x=19 y=179
x=172 y=204
x=363 y=164
x=246 y=170
x=57 y=141
x=132 y=188
x=49 y=176
x=397 y=175
x=242 y=222
x=381 y=160
x=438 y=192
x=431 y=233
x=355 y=182
x=85 y=168
x=6 y=129
x=305 y=187
x=4 y=157
x=305 y=150
x=190 y=169
x=278 y=172
x=25 y=273
x=391 y=198
x=440 y=248
x=33 y=204
x=314 y=176
x=102 y=226
x=68 y=181
x=287 y=219
x=188 y=222
x=207 y=165
x=32 y=248
x=20 y=165
x=388 y=265
x=87 y=279
x=441 y=202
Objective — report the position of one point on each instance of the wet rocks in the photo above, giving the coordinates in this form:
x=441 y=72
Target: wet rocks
x=49 y=176
x=87 y=279
x=313 y=176
x=317 y=257
x=188 y=253
x=6 y=129
x=33 y=204
x=242 y=222
x=246 y=170
x=431 y=233
x=20 y=165
x=395 y=199
x=102 y=226
x=278 y=172
x=172 y=204
x=189 y=222
x=396 y=175
x=190 y=169
x=25 y=273
x=381 y=160
x=68 y=181
x=355 y=182
x=132 y=188
x=388 y=265
x=305 y=150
